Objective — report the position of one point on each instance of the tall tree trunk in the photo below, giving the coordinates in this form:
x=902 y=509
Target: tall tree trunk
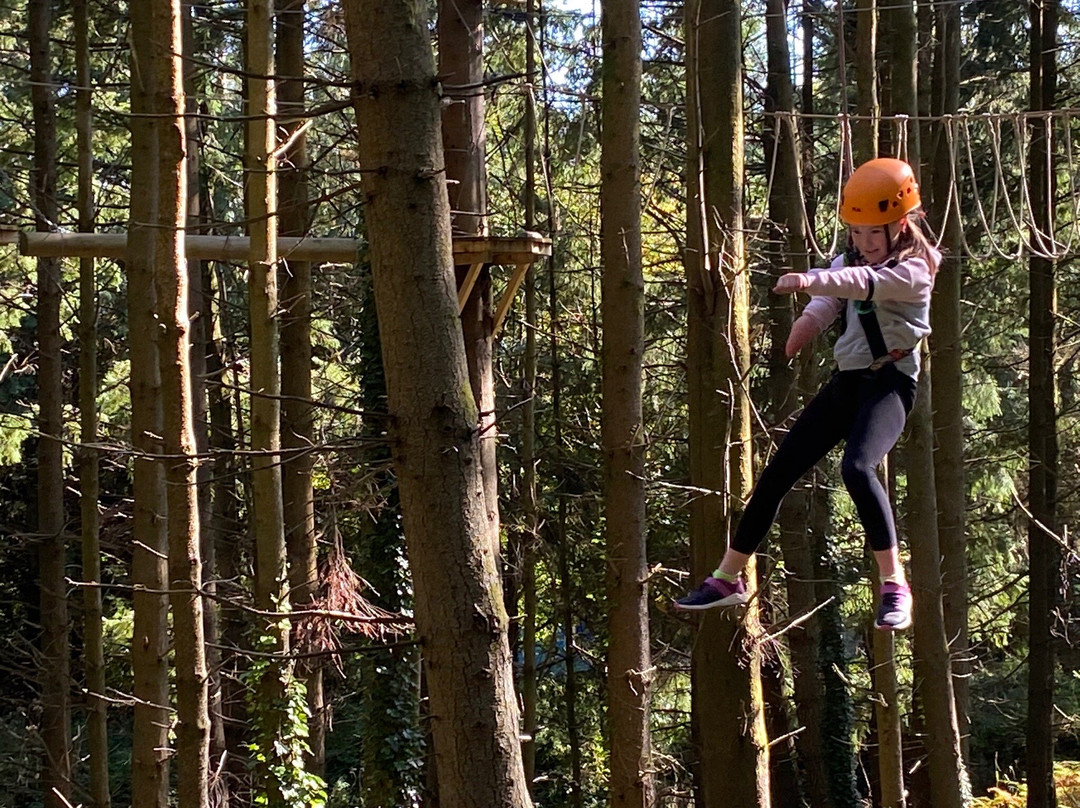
x=865 y=129
x=89 y=470
x=791 y=255
x=727 y=709
x=276 y=731
x=1044 y=556
x=228 y=542
x=200 y=339
x=297 y=413
x=150 y=648
x=55 y=665
x=178 y=437
x=562 y=545
x=530 y=514
x=391 y=699
x=933 y=672
x=569 y=660
x=947 y=380
x=629 y=667
x=890 y=756
x=461 y=70
x=460 y=615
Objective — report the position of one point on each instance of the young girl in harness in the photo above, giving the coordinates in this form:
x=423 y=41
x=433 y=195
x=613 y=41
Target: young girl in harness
x=880 y=289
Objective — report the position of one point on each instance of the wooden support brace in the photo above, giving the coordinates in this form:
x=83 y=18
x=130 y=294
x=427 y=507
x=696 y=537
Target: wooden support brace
x=467 y=286
x=508 y=296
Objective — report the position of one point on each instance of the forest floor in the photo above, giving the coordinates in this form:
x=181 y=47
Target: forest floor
x=1006 y=793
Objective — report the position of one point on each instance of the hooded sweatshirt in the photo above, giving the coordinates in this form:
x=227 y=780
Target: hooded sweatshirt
x=901 y=294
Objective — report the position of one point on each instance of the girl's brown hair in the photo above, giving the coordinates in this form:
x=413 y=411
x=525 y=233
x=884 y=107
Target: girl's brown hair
x=912 y=241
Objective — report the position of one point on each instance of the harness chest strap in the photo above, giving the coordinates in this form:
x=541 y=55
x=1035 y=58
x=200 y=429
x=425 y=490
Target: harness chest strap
x=872 y=328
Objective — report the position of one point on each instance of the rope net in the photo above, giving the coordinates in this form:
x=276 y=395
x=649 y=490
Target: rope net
x=990 y=178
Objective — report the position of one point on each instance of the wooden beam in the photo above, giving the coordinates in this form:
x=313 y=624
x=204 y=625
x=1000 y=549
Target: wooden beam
x=199 y=248
x=472 y=251
x=467 y=250
x=467 y=286
x=508 y=296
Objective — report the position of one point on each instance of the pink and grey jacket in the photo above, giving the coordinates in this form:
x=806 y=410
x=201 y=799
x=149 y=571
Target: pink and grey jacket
x=902 y=296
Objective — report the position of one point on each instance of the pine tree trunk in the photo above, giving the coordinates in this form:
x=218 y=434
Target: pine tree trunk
x=864 y=130
x=200 y=339
x=569 y=661
x=89 y=473
x=727 y=707
x=889 y=756
x=629 y=667
x=791 y=255
x=229 y=543
x=933 y=671
x=947 y=381
x=529 y=506
x=461 y=71
x=391 y=700
x=1044 y=556
x=271 y=580
x=55 y=665
x=297 y=413
x=192 y=726
x=149 y=652
x=460 y=615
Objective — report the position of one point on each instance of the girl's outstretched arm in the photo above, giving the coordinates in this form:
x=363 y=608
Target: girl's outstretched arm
x=908 y=281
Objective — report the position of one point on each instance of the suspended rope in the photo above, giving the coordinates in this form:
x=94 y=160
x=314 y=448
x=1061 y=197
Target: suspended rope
x=990 y=181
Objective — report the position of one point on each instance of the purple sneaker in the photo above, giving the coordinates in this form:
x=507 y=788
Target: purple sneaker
x=714 y=593
x=894 y=614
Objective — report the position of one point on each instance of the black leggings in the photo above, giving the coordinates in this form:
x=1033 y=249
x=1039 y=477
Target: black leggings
x=869 y=409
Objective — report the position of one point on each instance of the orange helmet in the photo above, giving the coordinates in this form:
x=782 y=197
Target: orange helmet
x=880 y=191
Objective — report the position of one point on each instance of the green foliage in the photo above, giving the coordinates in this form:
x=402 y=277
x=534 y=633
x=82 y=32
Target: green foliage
x=280 y=733
x=1009 y=794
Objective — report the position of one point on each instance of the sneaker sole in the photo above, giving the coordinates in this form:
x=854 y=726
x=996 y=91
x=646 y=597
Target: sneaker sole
x=900 y=627
x=730 y=600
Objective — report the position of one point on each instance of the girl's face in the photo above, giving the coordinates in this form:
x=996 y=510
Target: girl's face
x=876 y=242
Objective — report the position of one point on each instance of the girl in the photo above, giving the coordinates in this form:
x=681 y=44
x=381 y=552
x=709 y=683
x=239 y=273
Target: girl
x=880 y=289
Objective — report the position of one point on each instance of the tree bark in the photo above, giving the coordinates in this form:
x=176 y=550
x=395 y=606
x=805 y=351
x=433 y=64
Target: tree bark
x=948 y=380
x=271 y=578
x=460 y=615
x=727 y=707
x=629 y=666
x=933 y=673
x=865 y=129
x=297 y=413
x=461 y=70
x=178 y=438
x=791 y=255
x=1044 y=556
x=201 y=340
x=55 y=644
x=89 y=471
x=150 y=647
x=560 y=541
x=530 y=512
x=890 y=757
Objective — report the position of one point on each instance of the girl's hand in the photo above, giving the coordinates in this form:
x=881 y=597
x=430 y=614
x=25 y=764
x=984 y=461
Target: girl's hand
x=791 y=282
x=802 y=331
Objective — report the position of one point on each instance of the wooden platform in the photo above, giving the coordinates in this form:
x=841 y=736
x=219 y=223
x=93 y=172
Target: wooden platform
x=475 y=252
